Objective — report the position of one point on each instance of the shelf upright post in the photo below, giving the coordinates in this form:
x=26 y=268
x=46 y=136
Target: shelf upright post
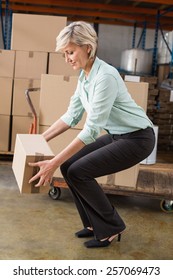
x=154 y=62
x=144 y=35
x=2 y=24
x=134 y=36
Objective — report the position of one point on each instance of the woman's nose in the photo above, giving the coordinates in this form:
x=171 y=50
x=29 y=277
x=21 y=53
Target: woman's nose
x=67 y=59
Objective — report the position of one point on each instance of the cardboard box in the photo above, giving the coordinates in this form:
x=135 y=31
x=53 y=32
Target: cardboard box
x=21 y=106
x=58 y=66
x=55 y=94
x=7 y=58
x=5 y=131
x=36 y=32
x=29 y=148
x=30 y=65
x=20 y=125
x=139 y=92
x=6 y=85
x=128 y=177
x=132 y=78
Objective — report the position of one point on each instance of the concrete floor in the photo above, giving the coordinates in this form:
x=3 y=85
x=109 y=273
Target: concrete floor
x=35 y=227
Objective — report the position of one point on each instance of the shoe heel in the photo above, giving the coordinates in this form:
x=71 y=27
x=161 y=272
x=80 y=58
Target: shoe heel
x=119 y=237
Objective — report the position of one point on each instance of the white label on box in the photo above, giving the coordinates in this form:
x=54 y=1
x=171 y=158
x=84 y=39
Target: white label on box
x=171 y=96
x=130 y=78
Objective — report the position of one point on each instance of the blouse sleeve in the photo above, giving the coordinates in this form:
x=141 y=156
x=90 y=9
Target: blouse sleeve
x=75 y=110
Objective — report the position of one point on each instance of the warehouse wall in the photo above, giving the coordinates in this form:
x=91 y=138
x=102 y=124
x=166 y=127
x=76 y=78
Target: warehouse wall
x=114 y=39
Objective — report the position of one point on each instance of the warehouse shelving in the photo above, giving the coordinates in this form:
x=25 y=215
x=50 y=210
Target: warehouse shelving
x=6 y=24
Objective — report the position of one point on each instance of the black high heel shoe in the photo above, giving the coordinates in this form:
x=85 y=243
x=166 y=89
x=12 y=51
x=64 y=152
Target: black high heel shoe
x=84 y=233
x=98 y=243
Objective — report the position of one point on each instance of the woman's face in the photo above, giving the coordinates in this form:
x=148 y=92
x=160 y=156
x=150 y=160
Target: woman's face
x=77 y=56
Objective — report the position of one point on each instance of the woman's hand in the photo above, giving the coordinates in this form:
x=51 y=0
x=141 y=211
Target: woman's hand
x=47 y=169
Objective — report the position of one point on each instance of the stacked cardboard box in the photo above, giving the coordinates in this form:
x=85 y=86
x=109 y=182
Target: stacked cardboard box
x=29 y=67
x=163 y=117
x=36 y=32
x=7 y=59
x=56 y=91
x=32 y=44
x=153 y=92
x=58 y=66
x=139 y=92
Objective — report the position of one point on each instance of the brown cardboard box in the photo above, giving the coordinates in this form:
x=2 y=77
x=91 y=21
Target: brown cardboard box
x=139 y=92
x=4 y=134
x=30 y=65
x=29 y=148
x=128 y=177
x=55 y=94
x=7 y=58
x=5 y=95
x=58 y=66
x=20 y=125
x=21 y=106
x=36 y=32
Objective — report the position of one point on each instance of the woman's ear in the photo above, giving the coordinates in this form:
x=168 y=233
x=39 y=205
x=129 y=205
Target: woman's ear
x=88 y=48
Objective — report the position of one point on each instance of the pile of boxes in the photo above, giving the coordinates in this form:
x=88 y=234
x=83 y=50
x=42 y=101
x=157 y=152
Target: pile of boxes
x=7 y=59
x=153 y=92
x=163 y=117
x=31 y=55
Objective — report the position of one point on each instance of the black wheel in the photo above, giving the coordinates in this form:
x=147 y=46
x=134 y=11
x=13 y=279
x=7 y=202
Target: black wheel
x=167 y=206
x=55 y=193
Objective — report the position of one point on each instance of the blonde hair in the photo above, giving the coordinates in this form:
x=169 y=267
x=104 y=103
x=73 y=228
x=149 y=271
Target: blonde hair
x=79 y=33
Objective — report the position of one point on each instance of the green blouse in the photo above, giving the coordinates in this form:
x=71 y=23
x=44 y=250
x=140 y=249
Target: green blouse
x=107 y=102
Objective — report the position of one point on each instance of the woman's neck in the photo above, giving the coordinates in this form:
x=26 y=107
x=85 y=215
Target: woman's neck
x=88 y=66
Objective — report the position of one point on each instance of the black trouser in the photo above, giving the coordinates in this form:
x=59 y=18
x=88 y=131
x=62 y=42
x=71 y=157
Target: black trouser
x=108 y=154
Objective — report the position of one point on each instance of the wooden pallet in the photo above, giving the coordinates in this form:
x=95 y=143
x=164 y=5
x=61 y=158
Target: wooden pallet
x=155 y=181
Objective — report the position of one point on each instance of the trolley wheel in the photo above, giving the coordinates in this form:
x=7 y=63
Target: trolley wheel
x=167 y=206
x=55 y=193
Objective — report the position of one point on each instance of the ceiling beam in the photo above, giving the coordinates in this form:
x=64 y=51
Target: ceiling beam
x=167 y=2
x=117 y=14
x=88 y=5
x=53 y=10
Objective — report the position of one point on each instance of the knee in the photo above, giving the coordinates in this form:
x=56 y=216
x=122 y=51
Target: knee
x=77 y=174
x=69 y=171
x=64 y=169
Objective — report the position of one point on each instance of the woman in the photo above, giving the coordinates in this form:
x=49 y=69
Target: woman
x=102 y=93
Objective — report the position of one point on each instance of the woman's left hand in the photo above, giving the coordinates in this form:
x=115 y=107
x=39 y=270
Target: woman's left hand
x=45 y=173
